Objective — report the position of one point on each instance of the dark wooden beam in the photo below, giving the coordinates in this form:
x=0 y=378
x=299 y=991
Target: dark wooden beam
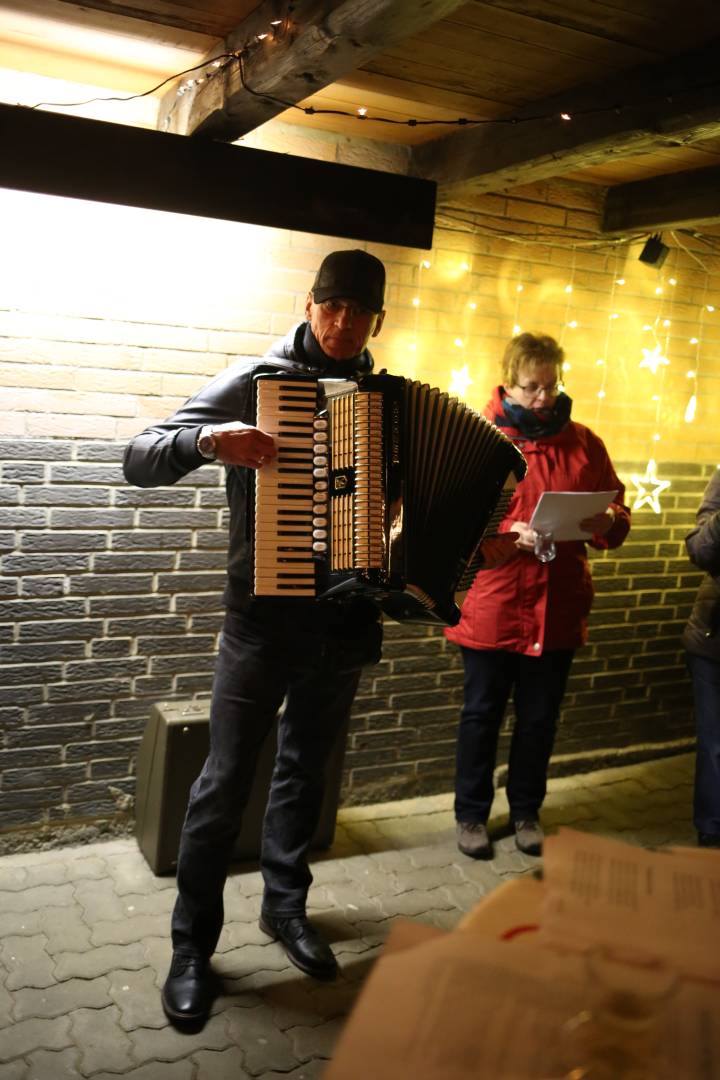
x=642 y=110
x=316 y=45
x=88 y=159
x=664 y=202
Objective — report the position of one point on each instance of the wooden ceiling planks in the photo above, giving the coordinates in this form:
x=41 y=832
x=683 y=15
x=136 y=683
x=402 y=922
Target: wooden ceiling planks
x=216 y=18
x=659 y=25
x=490 y=59
x=468 y=48
x=522 y=27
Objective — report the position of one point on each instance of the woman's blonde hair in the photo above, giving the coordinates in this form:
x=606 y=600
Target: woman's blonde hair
x=529 y=349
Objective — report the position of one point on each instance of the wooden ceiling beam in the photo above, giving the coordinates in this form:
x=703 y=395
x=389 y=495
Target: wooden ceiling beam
x=88 y=159
x=664 y=202
x=654 y=105
x=316 y=45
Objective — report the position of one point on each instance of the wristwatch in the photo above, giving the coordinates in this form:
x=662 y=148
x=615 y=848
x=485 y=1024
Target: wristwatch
x=206 y=443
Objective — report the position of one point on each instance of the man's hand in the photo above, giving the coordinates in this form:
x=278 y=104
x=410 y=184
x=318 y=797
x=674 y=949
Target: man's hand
x=240 y=444
x=598 y=524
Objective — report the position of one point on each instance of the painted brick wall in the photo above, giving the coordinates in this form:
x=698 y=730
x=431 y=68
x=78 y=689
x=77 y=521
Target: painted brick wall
x=109 y=596
x=128 y=313
x=109 y=601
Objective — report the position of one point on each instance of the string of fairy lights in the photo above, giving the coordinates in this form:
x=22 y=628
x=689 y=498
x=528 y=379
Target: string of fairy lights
x=660 y=342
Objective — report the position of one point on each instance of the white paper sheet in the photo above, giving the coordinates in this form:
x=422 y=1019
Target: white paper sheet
x=560 y=512
x=603 y=890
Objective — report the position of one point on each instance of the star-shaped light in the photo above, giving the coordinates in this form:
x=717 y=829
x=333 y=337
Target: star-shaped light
x=649 y=488
x=460 y=381
x=653 y=358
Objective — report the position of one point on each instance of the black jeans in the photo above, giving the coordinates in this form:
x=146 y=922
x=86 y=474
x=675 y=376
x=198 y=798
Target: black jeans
x=539 y=685
x=312 y=661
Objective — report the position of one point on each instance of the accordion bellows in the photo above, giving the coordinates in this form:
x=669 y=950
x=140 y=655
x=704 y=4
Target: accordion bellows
x=384 y=487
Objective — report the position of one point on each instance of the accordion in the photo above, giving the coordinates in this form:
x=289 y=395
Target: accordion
x=382 y=487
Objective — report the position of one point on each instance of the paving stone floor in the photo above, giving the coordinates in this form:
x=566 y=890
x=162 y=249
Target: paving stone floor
x=84 y=942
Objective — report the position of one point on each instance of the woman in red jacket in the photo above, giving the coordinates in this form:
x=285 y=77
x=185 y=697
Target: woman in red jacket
x=523 y=620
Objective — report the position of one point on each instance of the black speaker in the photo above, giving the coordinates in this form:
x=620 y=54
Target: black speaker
x=654 y=252
x=172 y=752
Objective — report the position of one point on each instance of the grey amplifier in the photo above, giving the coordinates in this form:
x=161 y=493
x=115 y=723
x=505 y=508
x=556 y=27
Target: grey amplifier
x=172 y=752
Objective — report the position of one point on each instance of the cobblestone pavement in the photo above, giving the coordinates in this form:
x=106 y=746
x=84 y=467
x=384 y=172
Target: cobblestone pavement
x=84 y=942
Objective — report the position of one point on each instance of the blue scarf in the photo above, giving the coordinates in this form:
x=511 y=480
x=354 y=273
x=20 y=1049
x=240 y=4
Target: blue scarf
x=536 y=423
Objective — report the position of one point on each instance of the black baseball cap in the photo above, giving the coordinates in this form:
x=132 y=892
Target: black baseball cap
x=354 y=274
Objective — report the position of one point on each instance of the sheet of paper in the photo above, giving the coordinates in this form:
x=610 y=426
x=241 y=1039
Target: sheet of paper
x=602 y=890
x=462 y=1007
x=560 y=512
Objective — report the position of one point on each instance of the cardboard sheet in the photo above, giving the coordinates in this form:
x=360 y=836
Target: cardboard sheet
x=462 y=1007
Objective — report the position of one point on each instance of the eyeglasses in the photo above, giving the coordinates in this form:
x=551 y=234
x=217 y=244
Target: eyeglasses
x=535 y=390
x=355 y=311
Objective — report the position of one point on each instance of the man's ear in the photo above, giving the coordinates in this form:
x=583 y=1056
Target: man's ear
x=378 y=324
x=308 y=305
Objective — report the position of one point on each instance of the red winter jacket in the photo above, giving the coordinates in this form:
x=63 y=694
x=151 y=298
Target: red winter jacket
x=525 y=605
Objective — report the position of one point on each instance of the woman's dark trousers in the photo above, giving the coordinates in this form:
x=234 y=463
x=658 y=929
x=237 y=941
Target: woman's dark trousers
x=538 y=685
x=261 y=663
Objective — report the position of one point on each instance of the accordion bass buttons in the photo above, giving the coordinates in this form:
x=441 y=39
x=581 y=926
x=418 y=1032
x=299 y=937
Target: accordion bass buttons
x=320 y=435
x=320 y=474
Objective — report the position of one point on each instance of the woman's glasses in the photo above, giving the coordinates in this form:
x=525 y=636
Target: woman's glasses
x=534 y=390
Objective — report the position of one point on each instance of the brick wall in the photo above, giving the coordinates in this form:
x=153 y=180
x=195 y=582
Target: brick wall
x=109 y=601
x=129 y=312
x=109 y=596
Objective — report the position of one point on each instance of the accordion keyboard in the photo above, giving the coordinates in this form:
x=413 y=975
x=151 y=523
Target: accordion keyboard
x=291 y=491
x=357 y=505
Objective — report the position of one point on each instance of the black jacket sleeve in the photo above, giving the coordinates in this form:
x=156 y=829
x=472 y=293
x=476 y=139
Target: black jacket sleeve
x=703 y=542
x=164 y=453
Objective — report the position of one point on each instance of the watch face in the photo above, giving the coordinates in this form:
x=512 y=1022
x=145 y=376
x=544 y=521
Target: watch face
x=206 y=446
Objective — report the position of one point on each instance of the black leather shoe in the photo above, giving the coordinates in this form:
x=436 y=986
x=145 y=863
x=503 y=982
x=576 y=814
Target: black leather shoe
x=302 y=944
x=188 y=991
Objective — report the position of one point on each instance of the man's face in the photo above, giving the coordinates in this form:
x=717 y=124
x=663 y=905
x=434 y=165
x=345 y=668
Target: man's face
x=341 y=326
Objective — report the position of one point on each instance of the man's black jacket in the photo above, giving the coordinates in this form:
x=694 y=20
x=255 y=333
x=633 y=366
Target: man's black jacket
x=164 y=453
